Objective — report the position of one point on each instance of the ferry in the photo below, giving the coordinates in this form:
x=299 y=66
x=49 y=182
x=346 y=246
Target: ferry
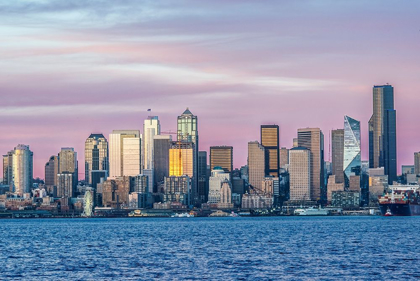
x=312 y=211
x=182 y=215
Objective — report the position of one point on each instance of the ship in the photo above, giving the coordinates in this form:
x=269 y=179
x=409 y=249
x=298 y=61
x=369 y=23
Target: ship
x=400 y=200
x=312 y=211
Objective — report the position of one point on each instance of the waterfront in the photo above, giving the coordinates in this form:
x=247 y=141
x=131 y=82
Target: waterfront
x=296 y=248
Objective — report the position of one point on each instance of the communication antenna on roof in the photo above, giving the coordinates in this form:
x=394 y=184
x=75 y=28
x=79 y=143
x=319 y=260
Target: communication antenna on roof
x=329 y=146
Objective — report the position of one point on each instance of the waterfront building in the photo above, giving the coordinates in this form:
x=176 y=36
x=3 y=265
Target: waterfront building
x=352 y=149
x=337 y=151
x=300 y=174
x=96 y=155
x=141 y=184
x=271 y=141
x=162 y=144
x=313 y=139
x=124 y=153
x=378 y=183
x=18 y=169
x=255 y=201
x=151 y=128
x=115 y=192
x=256 y=164
x=221 y=156
x=284 y=158
x=347 y=200
x=383 y=132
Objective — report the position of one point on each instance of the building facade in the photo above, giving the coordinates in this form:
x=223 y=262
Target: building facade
x=352 y=150
x=271 y=141
x=96 y=155
x=300 y=174
x=313 y=139
x=337 y=151
x=256 y=164
x=18 y=169
x=221 y=156
x=124 y=153
x=151 y=128
x=383 y=132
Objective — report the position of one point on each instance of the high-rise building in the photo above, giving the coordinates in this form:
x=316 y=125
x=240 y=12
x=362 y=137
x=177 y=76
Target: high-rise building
x=151 y=128
x=65 y=185
x=124 y=153
x=383 y=132
x=177 y=190
x=337 y=151
x=116 y=192
x=68 y=165
x=18 y=169
x=300 y=174
x=284 y=158
x=161 y=146
x=51 y=171
x=181 y=159
x=203 y=181
x=8 y=169
x=313 y=139
x=256 y=164
x=96 y=155
x=352 y=149
x=221 y=156
x=271 y=141
x=218 y=176
x=187 y=131
x=417 y=163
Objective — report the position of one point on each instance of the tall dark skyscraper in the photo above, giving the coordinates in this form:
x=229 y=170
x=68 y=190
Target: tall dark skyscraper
x=383 y=132
x=203 y=186
x=271 y=142
x=221 y=156
x=161 y=146
x=337 y=150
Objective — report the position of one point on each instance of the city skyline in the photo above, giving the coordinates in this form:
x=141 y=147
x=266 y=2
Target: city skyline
x=71 y=74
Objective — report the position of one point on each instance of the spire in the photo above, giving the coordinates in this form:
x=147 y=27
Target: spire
x=187 y=112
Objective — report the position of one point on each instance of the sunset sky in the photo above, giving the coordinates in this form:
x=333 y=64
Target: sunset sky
x=71 y=68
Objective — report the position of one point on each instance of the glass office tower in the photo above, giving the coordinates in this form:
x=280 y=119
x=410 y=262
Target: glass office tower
x=352 y=149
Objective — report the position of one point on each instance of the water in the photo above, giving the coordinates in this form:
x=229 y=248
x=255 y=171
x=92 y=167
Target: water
x=294 y=248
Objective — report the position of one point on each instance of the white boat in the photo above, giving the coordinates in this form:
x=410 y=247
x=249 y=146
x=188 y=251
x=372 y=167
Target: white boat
x=312 y=211
x=182 y=215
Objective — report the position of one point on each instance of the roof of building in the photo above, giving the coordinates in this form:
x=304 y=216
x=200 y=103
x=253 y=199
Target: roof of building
x=187 y=112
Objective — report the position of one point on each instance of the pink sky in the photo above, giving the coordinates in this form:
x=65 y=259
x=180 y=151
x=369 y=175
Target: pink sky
x=74 y=67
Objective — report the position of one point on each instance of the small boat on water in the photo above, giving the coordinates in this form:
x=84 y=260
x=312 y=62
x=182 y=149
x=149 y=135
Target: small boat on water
x=182 y=215
x=388 y=213
x=219 y=213
x=312 y=211
x=234 y=215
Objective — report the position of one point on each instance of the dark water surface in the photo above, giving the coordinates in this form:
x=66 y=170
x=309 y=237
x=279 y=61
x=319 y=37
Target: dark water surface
x=293 y=248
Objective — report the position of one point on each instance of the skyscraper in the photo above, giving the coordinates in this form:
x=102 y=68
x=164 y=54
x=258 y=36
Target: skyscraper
x=124 y=153
x=221 y=156
x=383 y=132
x=270 y=140
x=181 y=159
x=300 y=173
x=203 y=181
x=161 y=146
x=187 y=131
x=313 y=139
x=337 y=150
x=51 y=172
x=19 y=169
x=417 y=163
x=284 y=157
x=68 y=166
x=256 y=164
x=352 y=149
x=151 y=128
x=96 y=155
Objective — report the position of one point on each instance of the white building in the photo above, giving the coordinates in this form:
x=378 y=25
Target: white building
x=21 y=167
x=124 y=153
x=300 y=173
x=151 y=128
x=218 y=176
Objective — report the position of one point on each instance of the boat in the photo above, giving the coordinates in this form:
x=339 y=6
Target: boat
x=182 y=215
x=400 y=200
x=234 y=215
x=219 y=213
x=311 y=211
